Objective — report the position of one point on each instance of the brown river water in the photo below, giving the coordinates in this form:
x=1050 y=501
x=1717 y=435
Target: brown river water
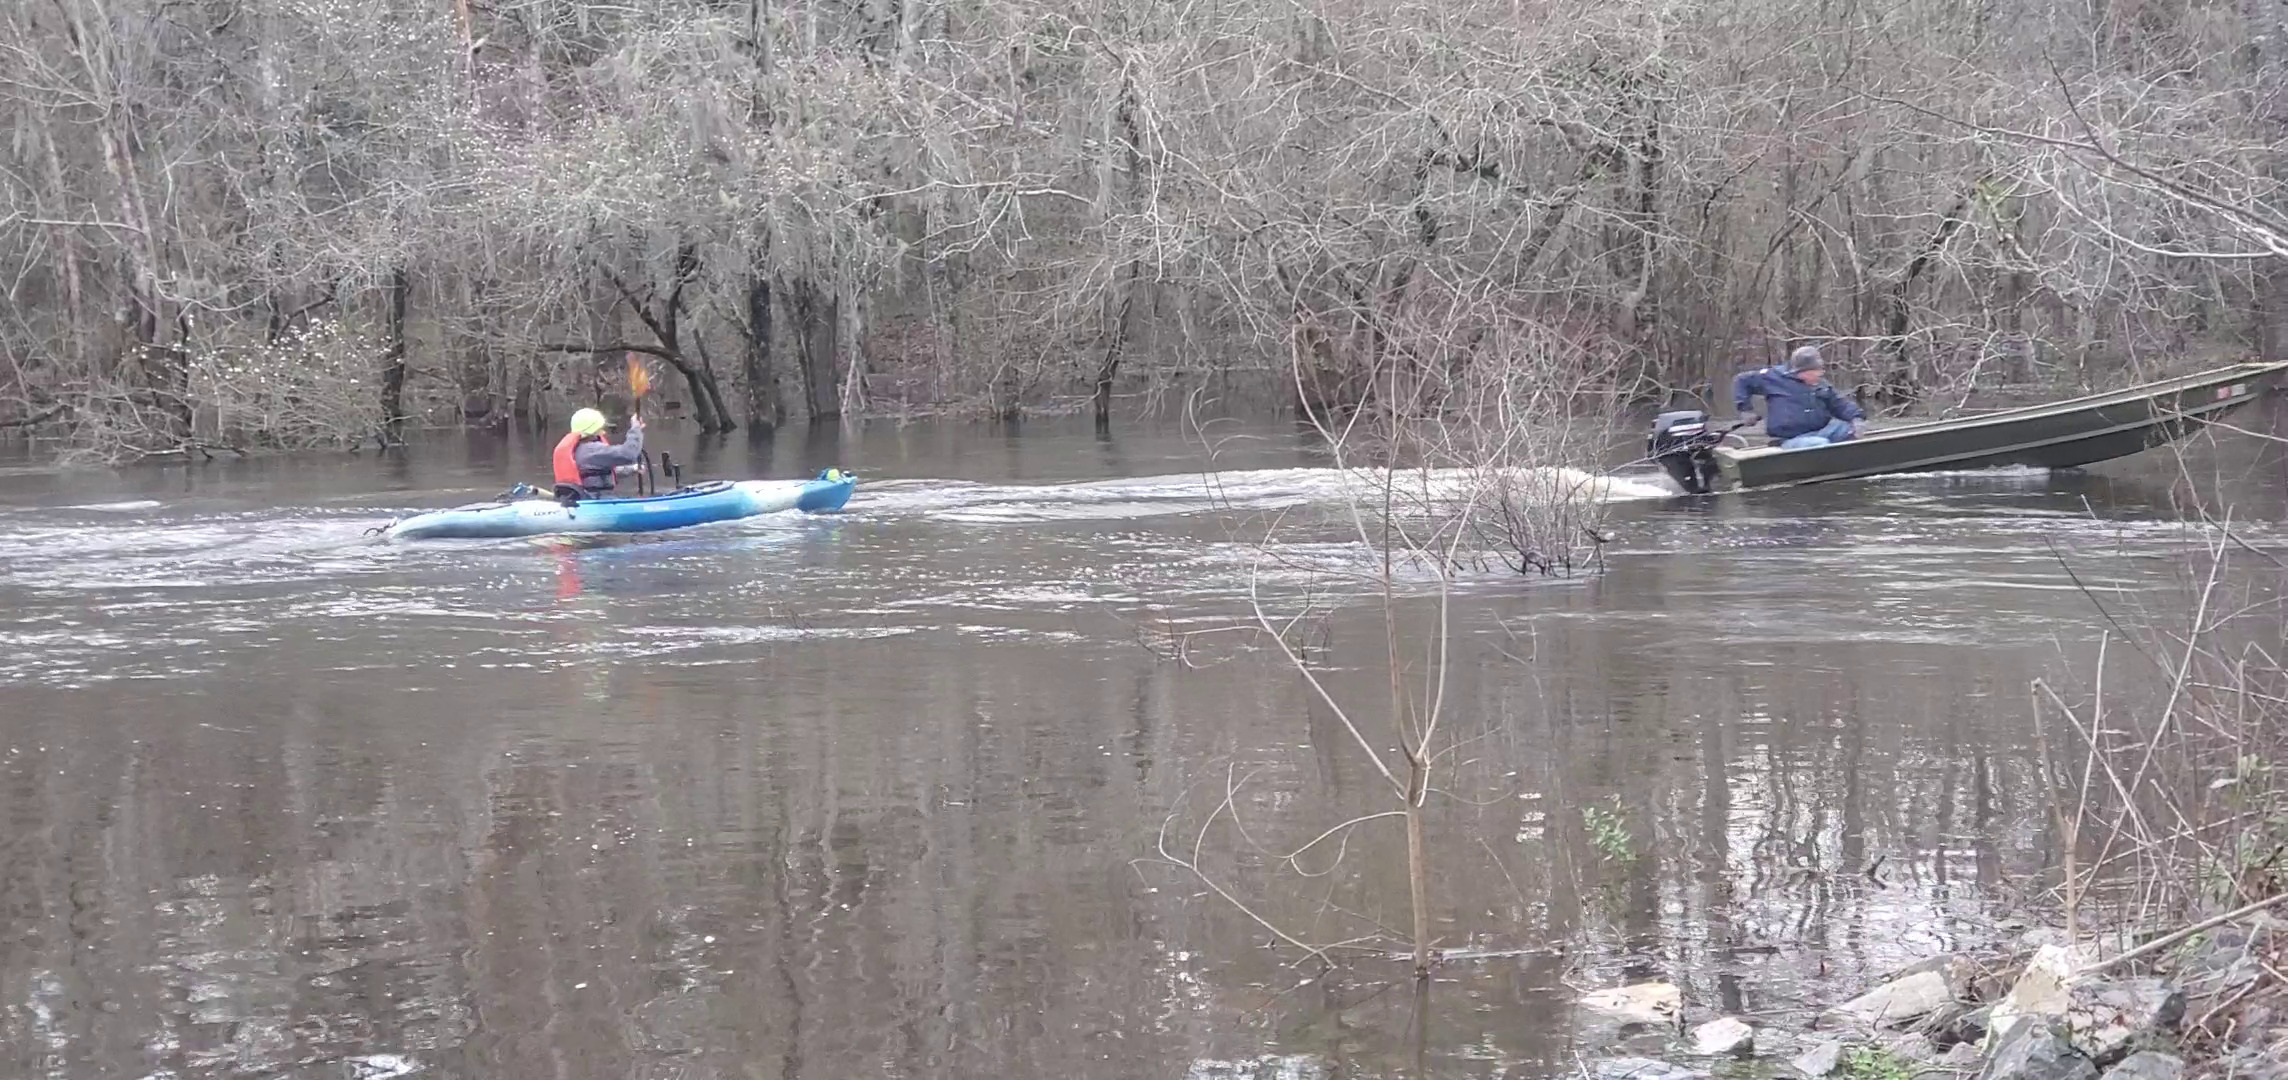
x=883 y=793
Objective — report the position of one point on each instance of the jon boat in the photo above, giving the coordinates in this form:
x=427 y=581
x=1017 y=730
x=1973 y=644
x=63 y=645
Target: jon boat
x=1703 y=457
x=696 y=504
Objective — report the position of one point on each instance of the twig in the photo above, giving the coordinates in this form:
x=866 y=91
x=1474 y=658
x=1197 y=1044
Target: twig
x=2167 y=940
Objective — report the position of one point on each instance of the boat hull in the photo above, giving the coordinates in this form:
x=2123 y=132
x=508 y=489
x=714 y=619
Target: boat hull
x=2063 y=435
x=698 y=504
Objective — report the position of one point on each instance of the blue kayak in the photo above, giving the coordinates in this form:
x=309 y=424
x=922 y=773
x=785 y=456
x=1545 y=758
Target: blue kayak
x=699 y=504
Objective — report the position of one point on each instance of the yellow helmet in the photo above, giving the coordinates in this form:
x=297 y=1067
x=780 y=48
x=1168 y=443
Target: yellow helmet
x=587 y=422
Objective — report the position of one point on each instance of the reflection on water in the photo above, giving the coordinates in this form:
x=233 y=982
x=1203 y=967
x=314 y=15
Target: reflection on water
x=878 y=794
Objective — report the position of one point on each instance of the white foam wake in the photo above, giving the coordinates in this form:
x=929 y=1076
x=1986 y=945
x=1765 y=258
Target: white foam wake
x=1248 y=489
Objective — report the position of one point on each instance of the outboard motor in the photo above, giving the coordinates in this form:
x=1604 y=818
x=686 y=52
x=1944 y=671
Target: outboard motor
x=1684 y=444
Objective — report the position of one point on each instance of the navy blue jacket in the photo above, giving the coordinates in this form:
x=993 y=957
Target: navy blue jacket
x=598 y=458
x=1792 y=408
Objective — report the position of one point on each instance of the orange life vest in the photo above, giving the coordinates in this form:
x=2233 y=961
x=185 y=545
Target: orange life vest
x=568 y=466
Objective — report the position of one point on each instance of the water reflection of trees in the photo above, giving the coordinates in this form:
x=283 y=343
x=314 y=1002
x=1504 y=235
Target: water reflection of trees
x=1845 y=805
x=928 y=870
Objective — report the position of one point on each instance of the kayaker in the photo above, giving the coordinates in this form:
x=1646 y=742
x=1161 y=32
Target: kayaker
x=584 y=460
x=1800 y=409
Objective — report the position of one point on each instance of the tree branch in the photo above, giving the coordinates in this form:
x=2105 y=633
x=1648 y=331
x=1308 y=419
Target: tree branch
x=617 y=346
x=30 y=421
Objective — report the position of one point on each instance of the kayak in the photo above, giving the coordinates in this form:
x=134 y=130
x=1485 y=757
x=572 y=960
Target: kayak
x=698 y=504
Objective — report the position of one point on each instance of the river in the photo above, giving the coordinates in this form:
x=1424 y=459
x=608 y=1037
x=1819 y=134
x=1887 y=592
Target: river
x=883 y=793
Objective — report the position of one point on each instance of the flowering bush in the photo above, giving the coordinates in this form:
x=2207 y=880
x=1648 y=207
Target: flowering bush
x=316 y=386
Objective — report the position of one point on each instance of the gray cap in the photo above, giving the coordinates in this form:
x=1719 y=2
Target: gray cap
x=1806 y=358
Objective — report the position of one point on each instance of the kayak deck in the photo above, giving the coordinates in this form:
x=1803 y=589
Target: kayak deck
x=699 y=504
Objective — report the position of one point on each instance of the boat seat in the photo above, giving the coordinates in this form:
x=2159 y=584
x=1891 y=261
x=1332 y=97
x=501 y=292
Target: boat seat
x=569 y=494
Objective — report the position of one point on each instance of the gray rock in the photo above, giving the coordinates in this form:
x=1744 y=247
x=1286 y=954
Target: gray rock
x=1727 y=1037
x=1900 y=1002
x=1642 y=1003
x=2108 y=1019
x=2219 y=965
x=1637 y=1068
x=2037 y=1048
x=1819 y=1061
x=2043 y=935
x=2147 y=1065
x=2041 y=989
x=1960 y=1023
x=1960 y=972
x=1781 y=1044
x=1962 y=1057
x=2255 y=1027
x=1907 y=1046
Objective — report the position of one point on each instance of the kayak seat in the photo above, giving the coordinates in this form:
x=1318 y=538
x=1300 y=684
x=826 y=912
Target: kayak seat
x=568 y=494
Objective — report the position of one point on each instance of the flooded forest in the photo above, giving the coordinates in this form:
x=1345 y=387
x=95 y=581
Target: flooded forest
x=283 y=223
x=1108 y=721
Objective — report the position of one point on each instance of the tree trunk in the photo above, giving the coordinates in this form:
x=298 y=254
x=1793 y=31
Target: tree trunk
x=702 y=407
x=66 y=240
x=707 y=390
x=851 y=336
x=1792 y=285
x=2266 y=57
x=1418 y=861
x=818 y=327
x=667 y=325
x=393 y=357
x=162 y=371
x=1899 y=382
x=765 y=410
x=1634 y=258
x=1109 y=368
x=1132 y=138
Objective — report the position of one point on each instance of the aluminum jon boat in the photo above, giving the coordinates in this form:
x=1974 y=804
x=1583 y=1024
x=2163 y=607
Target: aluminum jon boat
x=1702 y=457
x=698 y=504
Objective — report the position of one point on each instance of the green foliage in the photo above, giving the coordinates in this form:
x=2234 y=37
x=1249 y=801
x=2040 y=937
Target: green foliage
x=1609 y=832
x=1874 y=1063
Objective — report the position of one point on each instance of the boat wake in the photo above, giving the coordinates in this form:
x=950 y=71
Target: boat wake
x=148 y=544
x=1254 y=490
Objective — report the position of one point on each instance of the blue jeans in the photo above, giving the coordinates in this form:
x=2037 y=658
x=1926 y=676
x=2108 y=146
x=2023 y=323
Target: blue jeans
x=1836 y=431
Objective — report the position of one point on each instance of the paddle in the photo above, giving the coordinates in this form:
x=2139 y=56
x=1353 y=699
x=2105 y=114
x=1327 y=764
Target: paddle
x=639 y=384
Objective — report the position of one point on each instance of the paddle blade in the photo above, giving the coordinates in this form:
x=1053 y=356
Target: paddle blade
x=639 y=377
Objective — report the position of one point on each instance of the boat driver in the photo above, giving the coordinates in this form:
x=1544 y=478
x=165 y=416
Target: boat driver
x=1800 y=408
x=586 y=462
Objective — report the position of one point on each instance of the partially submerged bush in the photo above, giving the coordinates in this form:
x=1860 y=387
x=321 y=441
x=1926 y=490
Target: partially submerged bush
x=313 y=387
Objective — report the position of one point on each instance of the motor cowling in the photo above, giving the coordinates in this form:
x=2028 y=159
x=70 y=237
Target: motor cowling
x=1682 y=442
x=1672 y=429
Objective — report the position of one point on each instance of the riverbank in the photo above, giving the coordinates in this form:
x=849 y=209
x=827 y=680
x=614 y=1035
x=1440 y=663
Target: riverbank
x=2207 y=1000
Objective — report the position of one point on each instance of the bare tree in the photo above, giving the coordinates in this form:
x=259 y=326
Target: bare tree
x=1022 y=208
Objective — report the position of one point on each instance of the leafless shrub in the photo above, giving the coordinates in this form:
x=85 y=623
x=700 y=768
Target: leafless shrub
x=1439 y=462
x=2171 y=808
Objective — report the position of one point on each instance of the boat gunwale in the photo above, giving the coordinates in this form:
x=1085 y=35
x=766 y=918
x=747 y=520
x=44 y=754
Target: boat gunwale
x=1732 y=468
x=703 y=487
